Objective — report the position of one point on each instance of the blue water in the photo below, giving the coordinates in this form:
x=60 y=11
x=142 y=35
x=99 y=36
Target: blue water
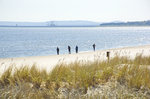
x=38 y=41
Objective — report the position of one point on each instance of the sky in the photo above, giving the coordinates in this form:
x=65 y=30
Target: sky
x=91 y=10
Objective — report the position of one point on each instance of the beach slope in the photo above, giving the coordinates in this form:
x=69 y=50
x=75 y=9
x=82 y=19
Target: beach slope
x=48 y=62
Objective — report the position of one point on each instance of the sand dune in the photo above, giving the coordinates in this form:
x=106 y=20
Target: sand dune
x=48 y=62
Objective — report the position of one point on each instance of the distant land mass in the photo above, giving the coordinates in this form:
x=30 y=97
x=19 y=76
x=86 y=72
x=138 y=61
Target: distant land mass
x=72 y=24
x=135 y=23
x=51 y=24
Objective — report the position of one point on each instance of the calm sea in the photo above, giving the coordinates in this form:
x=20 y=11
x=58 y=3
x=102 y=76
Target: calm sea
x=39 y=41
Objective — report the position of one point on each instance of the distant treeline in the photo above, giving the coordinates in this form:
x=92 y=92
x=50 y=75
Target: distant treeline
x=136 y=23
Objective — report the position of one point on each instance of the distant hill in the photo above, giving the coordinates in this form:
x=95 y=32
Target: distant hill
x=72 y=24
x=136 y=23
x=50 y=23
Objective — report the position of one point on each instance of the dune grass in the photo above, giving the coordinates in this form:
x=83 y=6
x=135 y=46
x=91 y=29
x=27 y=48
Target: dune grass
x=77 y=78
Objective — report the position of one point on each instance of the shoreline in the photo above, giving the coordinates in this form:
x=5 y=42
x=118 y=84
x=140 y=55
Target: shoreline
x=72 y=26
x=118 y=78
x=82 y=52
x=48 y=62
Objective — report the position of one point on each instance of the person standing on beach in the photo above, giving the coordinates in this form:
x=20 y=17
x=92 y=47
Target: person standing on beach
x=69 y=49
x=76 y=49
x=94 y=47
x=57 y=51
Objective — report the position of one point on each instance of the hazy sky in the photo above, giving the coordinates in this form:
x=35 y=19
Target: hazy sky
x=92 y=10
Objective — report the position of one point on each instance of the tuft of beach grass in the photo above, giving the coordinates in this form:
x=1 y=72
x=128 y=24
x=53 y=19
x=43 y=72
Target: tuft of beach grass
x=120 y=77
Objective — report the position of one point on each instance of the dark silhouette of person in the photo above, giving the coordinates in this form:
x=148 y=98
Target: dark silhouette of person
x=94 y=47
x=57 y=51
x=76 y=49
x=69 y=49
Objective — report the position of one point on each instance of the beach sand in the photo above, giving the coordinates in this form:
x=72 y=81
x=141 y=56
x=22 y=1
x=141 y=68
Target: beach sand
x=48 y=62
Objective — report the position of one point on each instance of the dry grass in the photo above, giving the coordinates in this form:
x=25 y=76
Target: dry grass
x=76 y=79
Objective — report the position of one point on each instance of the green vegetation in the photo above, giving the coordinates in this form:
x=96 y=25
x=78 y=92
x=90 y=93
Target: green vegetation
x=120 y=78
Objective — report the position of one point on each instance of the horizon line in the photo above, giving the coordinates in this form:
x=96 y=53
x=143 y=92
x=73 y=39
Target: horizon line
x=79 y=20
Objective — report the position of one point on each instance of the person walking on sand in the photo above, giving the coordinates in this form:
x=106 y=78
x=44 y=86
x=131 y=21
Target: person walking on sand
x=57 y=51
x=76 y=49
x=69 y=49
x=94 y=47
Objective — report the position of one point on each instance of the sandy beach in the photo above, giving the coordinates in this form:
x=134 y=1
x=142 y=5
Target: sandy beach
x=48 y=62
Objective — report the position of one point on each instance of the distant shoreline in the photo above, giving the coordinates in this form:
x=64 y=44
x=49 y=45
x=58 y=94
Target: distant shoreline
x=75 y=26
x=50 y=26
